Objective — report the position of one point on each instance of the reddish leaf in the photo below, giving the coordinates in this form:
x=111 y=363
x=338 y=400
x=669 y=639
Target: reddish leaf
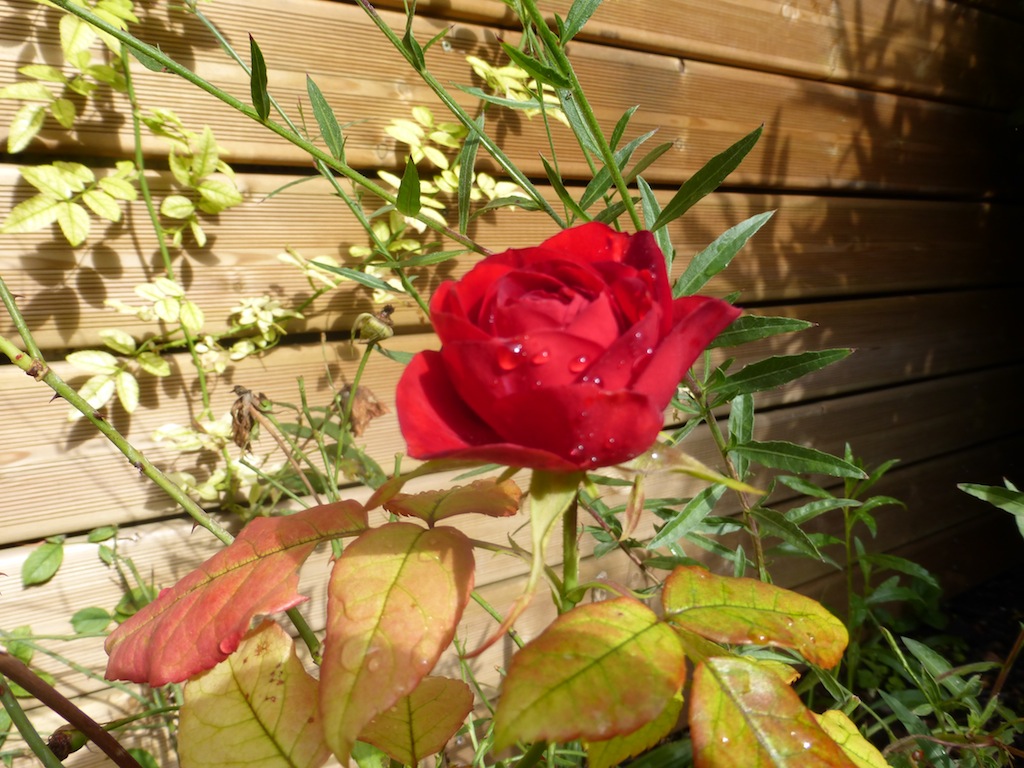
x=200 y=620
x=750 y=612
x=256 y=708
x=600 y=670
x=420 y=724
x=395 y=597
x=845 y=733
x=483 y=497
x=744 y=715
x=605 y=754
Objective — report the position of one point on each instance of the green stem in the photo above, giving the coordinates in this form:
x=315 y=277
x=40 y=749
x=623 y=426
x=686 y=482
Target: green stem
x=154 y=217
x=292 y=137
x=39 y=370
x=532 y=756
x=25 y=728
x=493 y=613
x=562 y=63
x=462 y=115
x=570 y=557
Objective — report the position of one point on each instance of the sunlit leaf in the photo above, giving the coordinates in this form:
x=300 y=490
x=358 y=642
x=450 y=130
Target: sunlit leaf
x=127 y=390
x=775 y=371
x=102 y=204
x=177 y=207
x=707 y=179
x=844 y=732
x=578 y=15
x=200 y=620
x=256 y=708
x=579 y=678
x=25 y=124
x=482 y=497
x=717 y=256
x=753 y=327
x=420 y=724
x=744 y=715
x=743 y=611
x=671 y=459
x=118 y=340
x=330 y=131
x=217 y=195
x=42 y=563
x=88 y=621
x=204 y=154
x=779 y=454
x=74 y=222
x=64 y=112
x=539 y=71
x=395 y=597
x=94 y=361
x=689 y=517
x=605 y=754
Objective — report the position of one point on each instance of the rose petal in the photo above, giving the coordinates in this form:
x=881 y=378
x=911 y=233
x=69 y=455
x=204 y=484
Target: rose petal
x=696 y=322
x=433 y=418
x=592 y=242
x=581 y=423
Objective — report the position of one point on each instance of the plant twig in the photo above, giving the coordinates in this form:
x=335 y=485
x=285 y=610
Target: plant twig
x=14 y=669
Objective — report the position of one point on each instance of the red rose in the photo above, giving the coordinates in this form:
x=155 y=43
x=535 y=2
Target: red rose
x=560 y=357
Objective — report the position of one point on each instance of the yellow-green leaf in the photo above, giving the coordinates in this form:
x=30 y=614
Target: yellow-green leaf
x=49 y=180
x=127 y=390
x=168 y=309
x=191 y=317
x=605 y=754
x=118 y=340
x=177 y=207
x=750 y=612
x=197 y=232
x=64 y=112
x=77 y=175
x=482 y=497
x=204 y=154
x=43 y=72
x=217 y=195
x=117 y=187
x=743 y=715
x=420 y=724
x=600 y=670
x=256 y=708
x=94 y=361
x=842 y=730
x=24 y=126
x=181 y=168
x=38 y=212
x=74 y=222
x=76 y=37
x=153 y=364
x=102 y=204
x=395 y=597
x=96 y=391
x=27 y=90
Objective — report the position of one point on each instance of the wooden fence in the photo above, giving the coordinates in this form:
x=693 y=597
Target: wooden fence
x=887 y=153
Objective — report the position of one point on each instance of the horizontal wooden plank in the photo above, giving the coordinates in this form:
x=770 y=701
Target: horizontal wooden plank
x=915 y=419
x=942 y=50
x=814 y=247
x=818 y=135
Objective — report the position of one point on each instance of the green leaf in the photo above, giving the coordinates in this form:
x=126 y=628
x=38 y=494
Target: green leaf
x=94 y=361
x=554 y=178
x=775 y=371
x=74 y=222
x=578 y=679
x=603 y=178
x=621 y=125
x=408 y=201
x=773 y=523
x=153 y=364
x=689 y=517
x=41 y=72
x=325 y=118
x=42 y=563
x=778 y=454
x=717 y=256
x=651 y=209
x=76 y=37
x=191 y=316
x=748 y=328
x=204 y=154
x=707 y=179
x=539 y=71
x=576 y=122
x=844 y=732
x=744 y=714
x=467 y=165
x=25 y=124
x=482 y=497
x=147 y=61
x=741 y=427
x=1006 y=499
x=258 y=707
x=103 y=533
x=579 y=14
x=31 y=215
x=258 y=81
x=611 y=752
x=90 y=621
x=118 y=340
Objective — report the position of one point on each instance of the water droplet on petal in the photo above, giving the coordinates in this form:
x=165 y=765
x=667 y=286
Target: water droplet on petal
x=541 y=357
x=510 y=356
x=725 y=739
x=578 y=364
x=807 y=745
